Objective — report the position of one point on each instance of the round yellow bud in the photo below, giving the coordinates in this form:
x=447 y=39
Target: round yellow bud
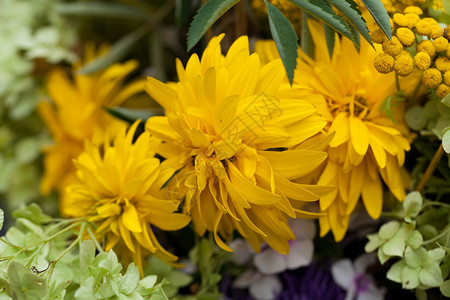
x=422 y=60
x=413 y=10
x=442 y=90
x=440 y=44
x=432 y=77
x=427 y=47
x=447 y=77
x=436 y=31
x=399 y=20
x=423 y=27
x=393 y=47
x=442 y=63
x=384 y=63
x=403 y=65
x=406 y=36
x=411 y=20
x=378 y=36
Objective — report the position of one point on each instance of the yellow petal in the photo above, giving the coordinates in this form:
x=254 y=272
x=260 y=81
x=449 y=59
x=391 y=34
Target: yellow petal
x=126 y=236
x=161 y=92
x=168 y=222
x=130 y=219
x=340 y=126
x=251 y=192
x=218 y=240
x=292 y=164
x=372 y=194
x=360 y=135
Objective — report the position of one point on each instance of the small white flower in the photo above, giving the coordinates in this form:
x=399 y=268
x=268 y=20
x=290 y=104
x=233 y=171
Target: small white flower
x=352 y=278
x=301 y=252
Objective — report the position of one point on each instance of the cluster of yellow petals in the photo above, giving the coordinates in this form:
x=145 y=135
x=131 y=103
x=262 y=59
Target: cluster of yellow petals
x=432 y=56
x=118 y=188
x=395 y=6
x=367 y=148
x=229 y=130
x=76 y=111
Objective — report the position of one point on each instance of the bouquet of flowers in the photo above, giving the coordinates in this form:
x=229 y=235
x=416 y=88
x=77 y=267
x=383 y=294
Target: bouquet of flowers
x=225 y=149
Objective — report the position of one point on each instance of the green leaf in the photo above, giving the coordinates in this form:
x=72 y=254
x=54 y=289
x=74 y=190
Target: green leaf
x=87 y=254
x=111 y=263
x=179 y=279
x=2 y=218
x=446 y=141
x=412 y=204
x=410 y=278
x=285 y=38
x=379 y=13
x=131 y=115
x=205 y=17
x=415 y=257
x=414 y=239
x=445 y=288
x=330 y=36
x=306 y=41
x=395 y=271
x=182 y=11
x=86 y=289
x=33 y=213
x=130 y=280
x=102 y=9
x=353 y=15
x=374 y=242
x=24 y=284
x=436 y=254
x=387 y=230
x=148 y=282
x=324 y=12
x=390 y=102
x=116 y=52
x=446 y=5
x=446 y=100
x=415 y=118
x=431 y=275
x=394 y=247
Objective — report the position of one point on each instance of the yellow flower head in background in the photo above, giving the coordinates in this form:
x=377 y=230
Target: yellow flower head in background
x=118 y=189
x=76 y=111
x=366 y=144
x=227 y=133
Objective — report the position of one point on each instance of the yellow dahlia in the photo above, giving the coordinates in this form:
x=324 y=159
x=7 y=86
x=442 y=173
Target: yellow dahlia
x=76 y=111
x=227 y=133
x=366 y=144
x=119 y=189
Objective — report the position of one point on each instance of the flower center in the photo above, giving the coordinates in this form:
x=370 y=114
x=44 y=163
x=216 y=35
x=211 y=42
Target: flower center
x=362 y=283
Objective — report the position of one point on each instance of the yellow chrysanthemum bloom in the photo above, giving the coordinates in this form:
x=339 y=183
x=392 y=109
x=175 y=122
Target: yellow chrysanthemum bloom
x=366 y=143
x=119 y=189
x=77 y=111
x=227 y=132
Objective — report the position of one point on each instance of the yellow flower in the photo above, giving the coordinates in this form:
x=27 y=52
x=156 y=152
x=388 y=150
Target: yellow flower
x=228 y=132
x=118 y=189
x=77 y=111
x=366 y=145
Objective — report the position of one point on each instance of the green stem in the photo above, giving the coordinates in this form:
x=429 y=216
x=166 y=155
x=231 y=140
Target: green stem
x=444 y=232
x=96 y=243
x=8 y=243
x=436 y=203
x=48 y=239
x=397 y=82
